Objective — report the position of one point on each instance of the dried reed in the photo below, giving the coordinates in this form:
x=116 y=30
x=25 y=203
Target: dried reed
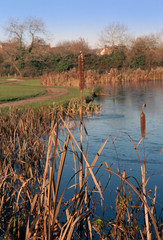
x=32 y=204
x=93 y=78
x=142 y=121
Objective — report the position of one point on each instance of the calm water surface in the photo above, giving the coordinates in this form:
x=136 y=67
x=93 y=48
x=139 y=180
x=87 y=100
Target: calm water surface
x=120 y=114
x=121 y=110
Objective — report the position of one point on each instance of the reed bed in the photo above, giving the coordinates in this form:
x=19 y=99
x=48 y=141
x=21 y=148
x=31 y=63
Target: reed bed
x=34 y=159
x=92 y=78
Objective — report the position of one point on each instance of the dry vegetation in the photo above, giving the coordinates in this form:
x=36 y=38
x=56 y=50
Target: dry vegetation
x=92 y=78
x=32 y=203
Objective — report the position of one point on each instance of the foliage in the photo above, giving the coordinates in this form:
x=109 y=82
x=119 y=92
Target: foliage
x=61 y=64
x=98 y=90
x=38 y=57
x=138 y=62
x=41 y=60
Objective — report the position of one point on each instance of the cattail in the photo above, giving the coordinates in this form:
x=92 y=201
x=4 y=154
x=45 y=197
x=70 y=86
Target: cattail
x=142 y=121
x=81 y=70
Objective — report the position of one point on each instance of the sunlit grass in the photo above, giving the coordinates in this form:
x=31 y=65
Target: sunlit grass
x=30 y=88
x=18 y=92
x=72 y=93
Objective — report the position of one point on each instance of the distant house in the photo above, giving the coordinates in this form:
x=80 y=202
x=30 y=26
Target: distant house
x=1 y=48
x=107 y=50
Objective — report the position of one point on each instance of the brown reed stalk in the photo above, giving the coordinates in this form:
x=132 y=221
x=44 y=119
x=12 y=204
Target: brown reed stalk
x=139 y=195
x=84 y=157
x=142 y=197
x=81 y=86
x=142 y=123
x=81 y=71
x=81 y=81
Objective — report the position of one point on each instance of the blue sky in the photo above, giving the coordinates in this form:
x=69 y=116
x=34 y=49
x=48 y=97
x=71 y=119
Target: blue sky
x=71 y=19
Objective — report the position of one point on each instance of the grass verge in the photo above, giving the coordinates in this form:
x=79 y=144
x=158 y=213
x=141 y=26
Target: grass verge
x=26 y=89
x=14 y=91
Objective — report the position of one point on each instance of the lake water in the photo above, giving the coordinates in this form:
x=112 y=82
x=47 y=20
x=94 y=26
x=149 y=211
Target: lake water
x=120 y=114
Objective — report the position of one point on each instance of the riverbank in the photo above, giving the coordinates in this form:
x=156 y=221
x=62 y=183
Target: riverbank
x=93 y=78
x=27 y=93
x=51 y=93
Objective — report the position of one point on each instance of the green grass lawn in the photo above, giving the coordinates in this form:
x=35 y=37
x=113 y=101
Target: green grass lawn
x=72 y=93
x=31 y=88
x=15 y=91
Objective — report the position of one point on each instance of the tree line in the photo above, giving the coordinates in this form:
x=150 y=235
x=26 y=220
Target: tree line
x=27 y=54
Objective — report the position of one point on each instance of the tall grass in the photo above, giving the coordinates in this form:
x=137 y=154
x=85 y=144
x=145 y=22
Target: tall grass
x=32 y=202
x=93 y=78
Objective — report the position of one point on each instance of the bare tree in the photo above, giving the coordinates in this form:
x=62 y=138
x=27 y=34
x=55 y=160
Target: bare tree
x=16 y=30
x=74 y=46
x=31 y=28
x=159 y=36
x=35 y=27
x=15 y=51
x=80 y=45
x=10 y=51
x=114 y=34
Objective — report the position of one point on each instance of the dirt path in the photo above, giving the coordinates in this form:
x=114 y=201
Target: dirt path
x=52 y=93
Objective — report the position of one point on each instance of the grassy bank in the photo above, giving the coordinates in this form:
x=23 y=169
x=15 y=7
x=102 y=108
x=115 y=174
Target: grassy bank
x=15 y=91
x=27 y=89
